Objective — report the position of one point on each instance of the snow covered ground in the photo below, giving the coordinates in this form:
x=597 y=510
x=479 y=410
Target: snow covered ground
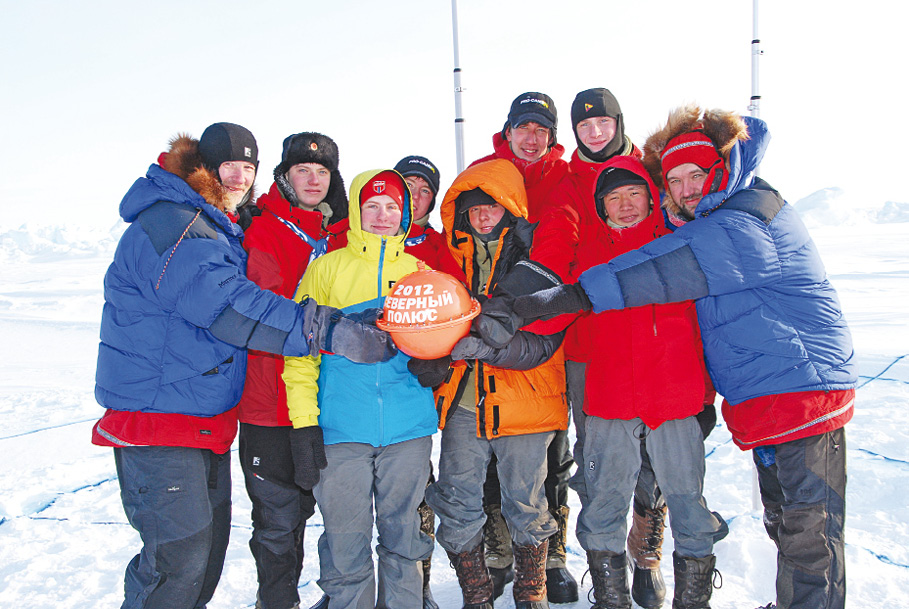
x=64 y=540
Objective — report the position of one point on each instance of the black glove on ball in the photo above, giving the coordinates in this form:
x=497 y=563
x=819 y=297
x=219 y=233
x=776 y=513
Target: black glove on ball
x=430 y=372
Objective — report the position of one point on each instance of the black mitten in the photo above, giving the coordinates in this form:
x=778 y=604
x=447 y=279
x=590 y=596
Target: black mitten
x=707 y=419
x=308 y=450
x=497 y=323
x=430 y=372
x=567 y=298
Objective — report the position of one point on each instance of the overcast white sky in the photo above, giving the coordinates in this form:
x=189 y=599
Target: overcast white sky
x=92 y=90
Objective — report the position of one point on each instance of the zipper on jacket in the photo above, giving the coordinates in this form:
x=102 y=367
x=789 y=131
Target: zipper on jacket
x=380 y=400
x=481 y=398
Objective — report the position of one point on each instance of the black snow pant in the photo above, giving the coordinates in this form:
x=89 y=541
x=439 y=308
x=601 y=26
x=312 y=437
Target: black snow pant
x=178 y=499
x=279 y=514
x=803 y=489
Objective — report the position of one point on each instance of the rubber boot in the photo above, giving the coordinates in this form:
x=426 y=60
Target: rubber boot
x=609 y=572
x=645 y=547
x=473 y=577
x=427 y=525
x=693 y=581
x=499 y=556
x=561 y=587
x=530 y=576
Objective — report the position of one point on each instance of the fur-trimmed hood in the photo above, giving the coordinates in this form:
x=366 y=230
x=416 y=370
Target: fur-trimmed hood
x=722 y=127
x=184 y=160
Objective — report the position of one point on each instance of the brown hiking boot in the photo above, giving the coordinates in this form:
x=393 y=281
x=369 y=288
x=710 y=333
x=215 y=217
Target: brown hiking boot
x=499 y=557
x=427 y=525
x=530 y=576
x=473 y=577
x=561 y=587
x=645 y=548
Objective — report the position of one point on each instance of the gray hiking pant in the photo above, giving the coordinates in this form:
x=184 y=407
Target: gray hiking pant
x=612 y=460
x=803 y=489
x=392 y=478
x=646 y=492
x=457 y=495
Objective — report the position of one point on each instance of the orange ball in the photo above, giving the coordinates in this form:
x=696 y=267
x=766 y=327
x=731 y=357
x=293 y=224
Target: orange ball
x=427 y=312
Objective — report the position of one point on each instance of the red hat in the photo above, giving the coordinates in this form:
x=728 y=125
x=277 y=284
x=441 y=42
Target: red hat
x=695 y=147
x=385 y=183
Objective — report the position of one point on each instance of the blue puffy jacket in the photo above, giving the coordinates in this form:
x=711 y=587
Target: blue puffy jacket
x=179 y=311
x=770 y=320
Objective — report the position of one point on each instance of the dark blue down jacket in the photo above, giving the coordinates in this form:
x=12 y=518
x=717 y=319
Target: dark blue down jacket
x=770 y=320
x=179 y=311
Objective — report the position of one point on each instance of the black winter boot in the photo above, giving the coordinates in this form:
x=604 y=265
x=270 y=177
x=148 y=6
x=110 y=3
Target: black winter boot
x=473 y=577
x=561 y=587
x=499 y=556
x=645 y=547
x=609 y=571
x=322 y=603
x=530 y=577
x=693 y=581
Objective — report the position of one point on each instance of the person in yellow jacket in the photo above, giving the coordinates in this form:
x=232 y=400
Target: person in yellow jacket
x=504 y=402
x=368 y=427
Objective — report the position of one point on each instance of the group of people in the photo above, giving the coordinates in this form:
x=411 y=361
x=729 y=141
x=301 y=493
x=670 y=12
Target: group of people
x=621 y=289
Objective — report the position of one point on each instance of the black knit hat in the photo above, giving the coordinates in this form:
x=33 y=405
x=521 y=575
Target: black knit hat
x=598 y=102
x=308 y=147
x=223 y=142
x=615 y=177
x=421 y=167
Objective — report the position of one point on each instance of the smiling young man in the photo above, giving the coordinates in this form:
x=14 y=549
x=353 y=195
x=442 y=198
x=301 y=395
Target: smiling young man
x=528 y=140
x=288 y=229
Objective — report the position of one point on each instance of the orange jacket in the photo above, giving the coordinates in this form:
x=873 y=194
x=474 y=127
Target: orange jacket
x=510 y=402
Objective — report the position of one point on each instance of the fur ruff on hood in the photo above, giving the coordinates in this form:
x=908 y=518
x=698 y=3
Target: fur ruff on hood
x=722 y=127
x=184 y=160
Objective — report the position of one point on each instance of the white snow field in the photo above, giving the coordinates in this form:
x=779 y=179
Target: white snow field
x=64 y=540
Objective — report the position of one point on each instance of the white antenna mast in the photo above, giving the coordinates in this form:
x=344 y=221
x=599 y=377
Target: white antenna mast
x=458 y=89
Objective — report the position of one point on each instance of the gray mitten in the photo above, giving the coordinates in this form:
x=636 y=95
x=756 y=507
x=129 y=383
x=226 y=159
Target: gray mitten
x=332 y=331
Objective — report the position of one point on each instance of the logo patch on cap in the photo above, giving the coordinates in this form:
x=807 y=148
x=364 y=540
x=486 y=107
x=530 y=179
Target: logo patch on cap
x=534 y=100
x=313 y=146
x=378 y=186
x=247 y=152
x=587 y=107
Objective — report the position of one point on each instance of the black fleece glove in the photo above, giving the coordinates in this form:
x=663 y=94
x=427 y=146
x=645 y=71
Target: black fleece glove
x=430 y=372
x=343 y=335
x=567 y=298
x=707 y=419
x=497 y=323
x=472 y=347
x=308 y=450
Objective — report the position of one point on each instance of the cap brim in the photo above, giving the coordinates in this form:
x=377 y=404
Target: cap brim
x=532 y=117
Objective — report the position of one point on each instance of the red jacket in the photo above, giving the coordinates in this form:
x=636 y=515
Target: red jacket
x=277 y=259
x=645 y=361
x=540 y=177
